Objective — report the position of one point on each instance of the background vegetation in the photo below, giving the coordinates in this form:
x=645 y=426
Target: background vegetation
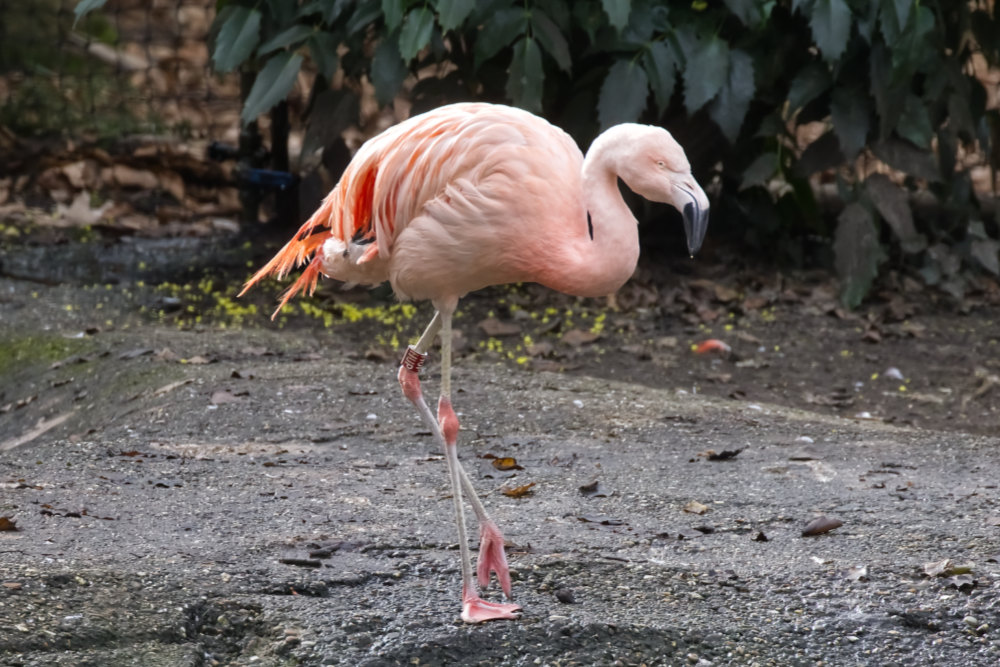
x=779 y=102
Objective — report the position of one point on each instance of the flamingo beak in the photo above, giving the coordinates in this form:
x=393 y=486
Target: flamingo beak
x=695 y=220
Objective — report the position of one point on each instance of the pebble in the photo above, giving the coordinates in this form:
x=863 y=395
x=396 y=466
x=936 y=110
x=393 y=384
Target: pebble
x=971 y=621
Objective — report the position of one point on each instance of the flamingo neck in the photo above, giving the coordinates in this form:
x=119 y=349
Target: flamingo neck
x=598 y=266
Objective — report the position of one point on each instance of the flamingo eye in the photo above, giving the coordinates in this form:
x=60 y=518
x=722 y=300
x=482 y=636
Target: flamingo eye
x=661 y=164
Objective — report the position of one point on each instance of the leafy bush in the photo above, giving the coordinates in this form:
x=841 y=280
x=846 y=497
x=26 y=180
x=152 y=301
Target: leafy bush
x=888 y=80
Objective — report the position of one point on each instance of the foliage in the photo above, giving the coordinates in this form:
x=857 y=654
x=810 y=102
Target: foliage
x=887 y=79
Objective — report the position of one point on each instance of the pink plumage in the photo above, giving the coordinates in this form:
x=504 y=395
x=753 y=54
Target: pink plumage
x=471 y=195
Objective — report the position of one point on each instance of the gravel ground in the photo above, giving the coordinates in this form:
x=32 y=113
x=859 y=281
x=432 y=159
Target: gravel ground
x=283 y=505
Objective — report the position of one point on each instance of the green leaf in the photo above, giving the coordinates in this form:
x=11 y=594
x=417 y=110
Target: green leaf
x=729 y=108
x=857 y=253
x=623 y=94
x=237 y=38
x=661 y=69
x=280 y=13
x=284 y=38
x=894 y=206
x=84 y=7
x=272 y=84
x=760 y=170
x=589 y=17
x=812 y=81
x=849 y=110
x=524 y=82
x=705 y=71
x=323 y=49
x=392 y=10
x=617 y=11
x=985 y=251
x=750 y=12
x=831 y=27
x=551 y=38
x=504 y=27
x=388 y=69
x=897 y=11
x=416 y=32
x=451 y=13
x=366 y=13
x=330 y=10
x=915 y=123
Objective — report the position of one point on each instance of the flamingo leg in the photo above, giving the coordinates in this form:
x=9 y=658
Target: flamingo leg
x=445 y=430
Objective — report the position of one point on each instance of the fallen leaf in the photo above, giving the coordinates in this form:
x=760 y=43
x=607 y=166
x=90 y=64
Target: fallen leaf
x=197 y=360
x=820 y=525
x=593 y=490
x=577 y=337
x=223 y=396
x=170 y=387
x=7 y=523
x=760 y=537
x=79 y=211
x=694 y=507
x=506 y=463
x=127 y=177
x=493 y=327
x=946 y=568
x=519 y=492
x=603 y=520
x=136 y=353
x=724 y=455
x=540 y=349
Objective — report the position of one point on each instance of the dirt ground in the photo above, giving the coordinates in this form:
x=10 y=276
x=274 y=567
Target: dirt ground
x=191 y=484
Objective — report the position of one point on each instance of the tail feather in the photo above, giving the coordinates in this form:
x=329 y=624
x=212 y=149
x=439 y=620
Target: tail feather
x=297 y=252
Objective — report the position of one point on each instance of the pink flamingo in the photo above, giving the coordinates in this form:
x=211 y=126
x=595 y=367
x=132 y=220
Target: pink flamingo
x=470 y=195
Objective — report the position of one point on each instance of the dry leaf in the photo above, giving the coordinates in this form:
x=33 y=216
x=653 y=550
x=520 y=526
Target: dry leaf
x=594 y=490
x=223 y=396
x=506 y=463
x=724 y=455
x=127 y=177
x=493 y=327
x=79 y=211
x=7 y=523
x=197 y=360
x=694 y=507
x=820 y=525
x=519 y=492
x=577 y=337
x=946 y=568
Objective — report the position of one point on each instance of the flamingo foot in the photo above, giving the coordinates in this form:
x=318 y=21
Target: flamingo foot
x=476 y=610
x=492 y=557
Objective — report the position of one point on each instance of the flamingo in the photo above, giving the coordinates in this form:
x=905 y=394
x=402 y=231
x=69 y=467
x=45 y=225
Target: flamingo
x=470 y=195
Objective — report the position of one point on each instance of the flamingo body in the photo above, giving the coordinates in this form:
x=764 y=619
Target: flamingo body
x=471 y=195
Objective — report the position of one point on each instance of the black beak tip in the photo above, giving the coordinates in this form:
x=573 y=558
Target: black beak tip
x=695 y=226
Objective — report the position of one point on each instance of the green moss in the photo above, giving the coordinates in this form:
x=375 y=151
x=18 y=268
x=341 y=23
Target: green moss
x=20 y=352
